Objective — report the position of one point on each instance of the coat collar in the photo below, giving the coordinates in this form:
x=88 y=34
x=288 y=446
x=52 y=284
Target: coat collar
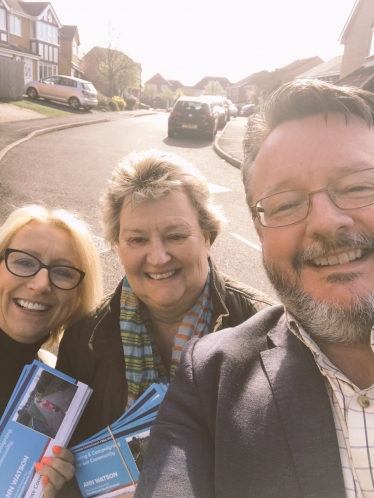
x=305 y=410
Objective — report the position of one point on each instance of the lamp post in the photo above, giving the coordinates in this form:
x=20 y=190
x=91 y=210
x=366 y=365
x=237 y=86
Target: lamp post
x=140 y=83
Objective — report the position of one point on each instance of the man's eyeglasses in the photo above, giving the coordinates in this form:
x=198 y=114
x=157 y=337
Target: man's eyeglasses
x=23 y=264
x=352 y=191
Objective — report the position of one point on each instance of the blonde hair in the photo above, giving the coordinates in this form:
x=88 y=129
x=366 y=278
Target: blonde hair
x=149 y=176
x=90 y=290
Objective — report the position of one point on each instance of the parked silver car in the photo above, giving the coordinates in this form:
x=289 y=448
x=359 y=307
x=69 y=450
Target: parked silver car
x=73 y=91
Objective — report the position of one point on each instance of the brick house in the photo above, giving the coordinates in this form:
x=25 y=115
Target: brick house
x=68 y=61
x=358 y=40
x=29 y=33
x=200 y=85
x=238 y=92
x=326 y=71
x=159 y=83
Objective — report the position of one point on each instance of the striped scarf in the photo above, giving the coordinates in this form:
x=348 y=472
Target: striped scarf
x=143 y=361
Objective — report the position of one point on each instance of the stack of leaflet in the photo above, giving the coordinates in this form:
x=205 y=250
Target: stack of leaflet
x=43 y=411
x=108 y=464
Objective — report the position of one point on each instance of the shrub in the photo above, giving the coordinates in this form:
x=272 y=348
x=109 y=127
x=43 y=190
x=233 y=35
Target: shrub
x=121 y=104
x=113 y=105
x=102 y=102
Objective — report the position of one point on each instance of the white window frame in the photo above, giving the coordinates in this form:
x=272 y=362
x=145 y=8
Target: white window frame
x=55 y=55
x=15 y=25
x=3 y=19
x=371 y=48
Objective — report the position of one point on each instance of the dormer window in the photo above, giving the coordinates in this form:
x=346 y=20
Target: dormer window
x=371 y=51
x=15 y=25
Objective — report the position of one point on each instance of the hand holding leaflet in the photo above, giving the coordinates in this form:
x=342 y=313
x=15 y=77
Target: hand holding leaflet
x=28 y=432
x=108 y=464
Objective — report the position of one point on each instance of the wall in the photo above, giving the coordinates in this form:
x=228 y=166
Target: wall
x=357 y=39
x=11 y=79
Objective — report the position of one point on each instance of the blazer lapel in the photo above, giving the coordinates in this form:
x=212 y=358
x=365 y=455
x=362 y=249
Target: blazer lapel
x=305 y=411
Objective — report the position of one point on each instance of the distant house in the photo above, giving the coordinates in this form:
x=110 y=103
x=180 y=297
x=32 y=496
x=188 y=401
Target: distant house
x=200 y=85
x=238 y=92
x=125 y=75
x=68 y=61
x=29 y=33
x=326 y=71
x=175 y=84
x=358 y=40
x=159 y=83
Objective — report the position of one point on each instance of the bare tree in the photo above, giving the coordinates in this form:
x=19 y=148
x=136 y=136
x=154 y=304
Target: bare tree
x=114 y=68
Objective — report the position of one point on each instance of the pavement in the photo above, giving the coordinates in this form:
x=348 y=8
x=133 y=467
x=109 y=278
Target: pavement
x=18 y=125
x=229 y=144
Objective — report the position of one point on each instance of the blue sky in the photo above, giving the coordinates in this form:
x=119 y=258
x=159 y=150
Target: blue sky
x=187 y=40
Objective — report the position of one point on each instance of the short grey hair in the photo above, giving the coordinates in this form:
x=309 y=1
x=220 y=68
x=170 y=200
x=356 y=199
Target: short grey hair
x=149 y=176
x=297 y=100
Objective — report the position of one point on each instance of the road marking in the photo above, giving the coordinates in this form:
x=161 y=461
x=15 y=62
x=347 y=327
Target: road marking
x=239 y=237
x=216 y=189
x=100 y=244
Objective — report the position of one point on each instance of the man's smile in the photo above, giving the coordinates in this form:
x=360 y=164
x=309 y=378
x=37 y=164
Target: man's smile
x=338 y=259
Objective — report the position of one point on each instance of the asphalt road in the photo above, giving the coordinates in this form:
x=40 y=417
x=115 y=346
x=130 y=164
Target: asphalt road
x=70 y=169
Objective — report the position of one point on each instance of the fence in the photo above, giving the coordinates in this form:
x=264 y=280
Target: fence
x=11 y=79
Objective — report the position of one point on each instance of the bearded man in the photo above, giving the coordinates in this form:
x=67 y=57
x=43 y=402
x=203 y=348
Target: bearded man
x=283 y=405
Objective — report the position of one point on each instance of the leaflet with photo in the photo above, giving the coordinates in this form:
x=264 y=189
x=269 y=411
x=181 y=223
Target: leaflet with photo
x=42 y=412
x=108 y=464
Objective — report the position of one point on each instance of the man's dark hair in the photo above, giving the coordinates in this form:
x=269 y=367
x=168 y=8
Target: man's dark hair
x=297 y=100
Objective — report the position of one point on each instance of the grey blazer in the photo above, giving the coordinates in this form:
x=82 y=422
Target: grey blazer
x=248 y=415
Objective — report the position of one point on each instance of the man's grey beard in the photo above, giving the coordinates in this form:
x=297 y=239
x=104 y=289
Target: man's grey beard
x=329 y=321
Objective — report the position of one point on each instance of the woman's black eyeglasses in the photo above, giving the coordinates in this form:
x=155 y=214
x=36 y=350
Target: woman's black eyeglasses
x=23 y=264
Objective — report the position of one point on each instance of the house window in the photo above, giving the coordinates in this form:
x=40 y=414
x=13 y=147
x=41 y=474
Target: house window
x=50 y=58
x=2 y=19
x=55 y=54
x=371 y=51
x=15 y=25
x=41 y=50
x=3 y=37
x=46 y=54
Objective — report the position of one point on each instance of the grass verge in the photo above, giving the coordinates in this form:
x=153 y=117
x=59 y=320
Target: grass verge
x=41 y=109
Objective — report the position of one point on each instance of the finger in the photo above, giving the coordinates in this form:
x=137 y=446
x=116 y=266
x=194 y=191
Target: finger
x=54 y=479
x=63 y=454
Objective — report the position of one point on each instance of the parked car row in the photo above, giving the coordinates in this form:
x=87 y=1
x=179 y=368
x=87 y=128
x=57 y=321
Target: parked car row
x=194 y=114
x=67 y=89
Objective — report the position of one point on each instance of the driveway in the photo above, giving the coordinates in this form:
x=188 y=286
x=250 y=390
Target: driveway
x=9 y=112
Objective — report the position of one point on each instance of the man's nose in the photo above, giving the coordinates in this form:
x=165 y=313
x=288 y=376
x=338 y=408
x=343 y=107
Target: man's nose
x=158 y=254
x=40 y=282
x=325 y=218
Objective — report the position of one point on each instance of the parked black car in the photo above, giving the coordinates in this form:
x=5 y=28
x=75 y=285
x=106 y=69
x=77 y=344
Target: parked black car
x=193 y=114
x=247 y=110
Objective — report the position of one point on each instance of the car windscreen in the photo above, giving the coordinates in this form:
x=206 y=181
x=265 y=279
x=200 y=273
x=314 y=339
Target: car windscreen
x=192 y=107
x=89 y=87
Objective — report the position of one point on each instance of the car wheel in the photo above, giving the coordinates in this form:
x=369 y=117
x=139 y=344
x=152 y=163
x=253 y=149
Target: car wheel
x=171 y=133
x=32 y=93
x=74 y=103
